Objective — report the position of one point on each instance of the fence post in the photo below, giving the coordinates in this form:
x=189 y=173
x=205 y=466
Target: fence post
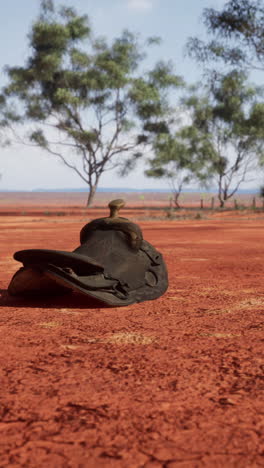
x=201 y=203
x=254 y=203
x=235 y=204
x=212 y=203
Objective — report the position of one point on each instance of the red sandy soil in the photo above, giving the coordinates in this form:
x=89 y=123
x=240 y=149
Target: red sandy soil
x=48 y=203
x=177 y=382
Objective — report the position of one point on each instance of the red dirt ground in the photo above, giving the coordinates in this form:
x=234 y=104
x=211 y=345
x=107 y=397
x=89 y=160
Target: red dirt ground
x=177 y=382
x=22 y=203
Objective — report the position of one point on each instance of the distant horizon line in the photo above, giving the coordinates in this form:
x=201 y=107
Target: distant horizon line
x=122 y=190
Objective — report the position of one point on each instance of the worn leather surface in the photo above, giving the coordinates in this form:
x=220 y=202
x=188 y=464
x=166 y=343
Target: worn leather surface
x=113 y=265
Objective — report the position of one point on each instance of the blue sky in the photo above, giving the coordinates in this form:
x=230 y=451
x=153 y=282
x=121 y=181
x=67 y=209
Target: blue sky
x=173 y=20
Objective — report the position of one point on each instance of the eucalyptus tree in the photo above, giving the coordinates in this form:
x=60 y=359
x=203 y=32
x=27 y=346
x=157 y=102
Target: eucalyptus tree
x=222 y=143
x=88 y=102
x=176 y=162
x=227 y=131
x=237 y=32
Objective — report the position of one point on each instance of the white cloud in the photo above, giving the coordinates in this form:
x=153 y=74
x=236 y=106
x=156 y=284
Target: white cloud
x=140 y=5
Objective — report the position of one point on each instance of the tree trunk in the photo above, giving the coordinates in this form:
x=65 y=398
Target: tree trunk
x=221 y=197
x=221 y=200
x=91 y=195
x=221 y=192
x=176 y=198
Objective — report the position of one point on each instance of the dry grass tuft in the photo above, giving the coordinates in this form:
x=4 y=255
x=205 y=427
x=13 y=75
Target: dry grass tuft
x=130 y=338
x=49 y=324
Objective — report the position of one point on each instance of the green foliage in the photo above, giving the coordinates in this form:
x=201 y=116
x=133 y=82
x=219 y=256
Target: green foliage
x=90 y=92
x=38 y=137
x=237 y=32
x=227 y=130
x=162 y=76
x=223 y=141
x=175 y=161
